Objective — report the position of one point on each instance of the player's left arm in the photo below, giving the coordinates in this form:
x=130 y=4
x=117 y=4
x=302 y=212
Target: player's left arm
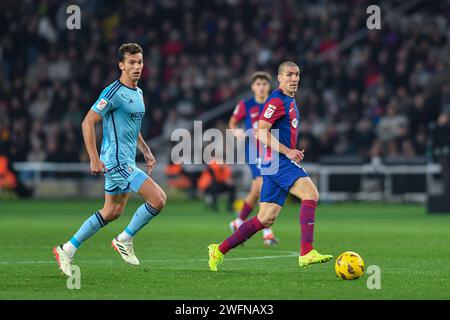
x=267 y=138
x=150 y=160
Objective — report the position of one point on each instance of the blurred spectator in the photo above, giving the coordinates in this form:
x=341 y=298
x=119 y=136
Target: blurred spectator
x=9 y=181
x=214 y=180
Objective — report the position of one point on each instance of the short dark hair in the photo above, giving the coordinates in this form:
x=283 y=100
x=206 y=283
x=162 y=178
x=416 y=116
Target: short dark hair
x=130 y=48
x=286 y=64
x=261 y=75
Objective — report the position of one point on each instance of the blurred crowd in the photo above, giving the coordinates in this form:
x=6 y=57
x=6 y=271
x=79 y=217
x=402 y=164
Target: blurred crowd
x=374 y=99
x=379 y=98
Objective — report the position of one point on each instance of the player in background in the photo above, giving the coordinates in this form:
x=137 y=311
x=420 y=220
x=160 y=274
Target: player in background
x=121 y=108
x=249 y=111
x=280 y=112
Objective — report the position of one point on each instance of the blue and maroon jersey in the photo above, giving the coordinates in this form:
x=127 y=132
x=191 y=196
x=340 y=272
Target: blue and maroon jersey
x=281 y=111
x=249 y=110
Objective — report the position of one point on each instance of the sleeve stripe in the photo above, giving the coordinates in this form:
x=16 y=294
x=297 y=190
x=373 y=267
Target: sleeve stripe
x=112 y=92
x=111 y=88
x=115 y=135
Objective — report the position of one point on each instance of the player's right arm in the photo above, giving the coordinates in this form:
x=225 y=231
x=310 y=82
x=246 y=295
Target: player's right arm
x=88 y=129
x=273 y=111
x=236 y=117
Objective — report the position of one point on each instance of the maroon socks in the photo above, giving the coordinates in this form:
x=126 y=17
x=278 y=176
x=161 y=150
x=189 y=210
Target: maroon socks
x=245 y=231
x=246 y=209
x=307 y=213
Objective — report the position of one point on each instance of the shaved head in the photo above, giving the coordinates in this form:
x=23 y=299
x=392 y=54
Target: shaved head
x=289 y=77
x=285 y=64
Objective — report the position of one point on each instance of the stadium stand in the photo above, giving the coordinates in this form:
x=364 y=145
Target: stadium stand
x=376 y=99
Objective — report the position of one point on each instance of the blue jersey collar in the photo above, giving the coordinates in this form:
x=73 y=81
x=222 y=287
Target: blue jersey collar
x=134 y=89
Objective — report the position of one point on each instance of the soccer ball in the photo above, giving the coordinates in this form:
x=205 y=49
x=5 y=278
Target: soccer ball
x=349 y=265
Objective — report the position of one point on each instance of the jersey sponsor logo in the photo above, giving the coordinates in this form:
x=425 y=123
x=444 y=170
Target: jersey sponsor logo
x=294 y=122
x=137 y=115
x=101 y=104
x=269 y=111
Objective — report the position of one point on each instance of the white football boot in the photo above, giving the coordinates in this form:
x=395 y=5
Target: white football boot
x=126 y=251
x=64 y=260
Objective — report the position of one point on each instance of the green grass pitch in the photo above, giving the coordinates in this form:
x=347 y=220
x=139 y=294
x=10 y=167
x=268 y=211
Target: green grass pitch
x=411 y=248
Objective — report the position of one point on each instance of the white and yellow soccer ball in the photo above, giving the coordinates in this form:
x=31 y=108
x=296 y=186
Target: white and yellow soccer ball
x=349 y=265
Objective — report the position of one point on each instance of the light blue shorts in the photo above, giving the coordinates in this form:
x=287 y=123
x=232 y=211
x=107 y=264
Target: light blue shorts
x=124 y=178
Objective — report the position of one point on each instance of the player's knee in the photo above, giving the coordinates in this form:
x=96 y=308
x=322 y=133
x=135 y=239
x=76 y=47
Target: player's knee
x=267 y=220
x=159 y=201
x=315 y=195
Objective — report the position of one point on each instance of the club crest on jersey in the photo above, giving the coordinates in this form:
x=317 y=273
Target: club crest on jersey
x=294 y=122
x=102 y=104
x=269 y=111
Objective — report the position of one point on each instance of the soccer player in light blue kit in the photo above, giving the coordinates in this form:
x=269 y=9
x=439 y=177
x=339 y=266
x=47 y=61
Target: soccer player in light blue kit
x=121 y=108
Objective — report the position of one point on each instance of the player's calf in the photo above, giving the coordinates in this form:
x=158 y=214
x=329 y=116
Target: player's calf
x=245 y=232
x=267 y=218
x=90 y=226
x=111 y=213
x=123 y=243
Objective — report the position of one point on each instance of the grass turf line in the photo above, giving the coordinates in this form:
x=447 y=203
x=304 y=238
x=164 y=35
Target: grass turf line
x=411 y=248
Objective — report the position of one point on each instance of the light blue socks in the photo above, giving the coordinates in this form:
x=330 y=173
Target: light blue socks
x=87 y=229
x=141 y=217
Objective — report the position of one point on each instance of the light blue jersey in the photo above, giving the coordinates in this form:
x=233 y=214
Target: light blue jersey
x=122 y=109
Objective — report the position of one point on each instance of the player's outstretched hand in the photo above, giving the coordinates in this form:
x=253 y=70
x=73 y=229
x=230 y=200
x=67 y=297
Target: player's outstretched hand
x=98 y=167
x=295 y=155
x=149 y=162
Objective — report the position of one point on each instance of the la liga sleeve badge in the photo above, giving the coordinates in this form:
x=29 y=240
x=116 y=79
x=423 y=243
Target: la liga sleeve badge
x=269 y=111
x=102 y=104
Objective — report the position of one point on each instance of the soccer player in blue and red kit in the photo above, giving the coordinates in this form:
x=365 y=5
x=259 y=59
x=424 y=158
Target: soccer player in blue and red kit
x=248 y=111
x=121 y=108
x=280 y=113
